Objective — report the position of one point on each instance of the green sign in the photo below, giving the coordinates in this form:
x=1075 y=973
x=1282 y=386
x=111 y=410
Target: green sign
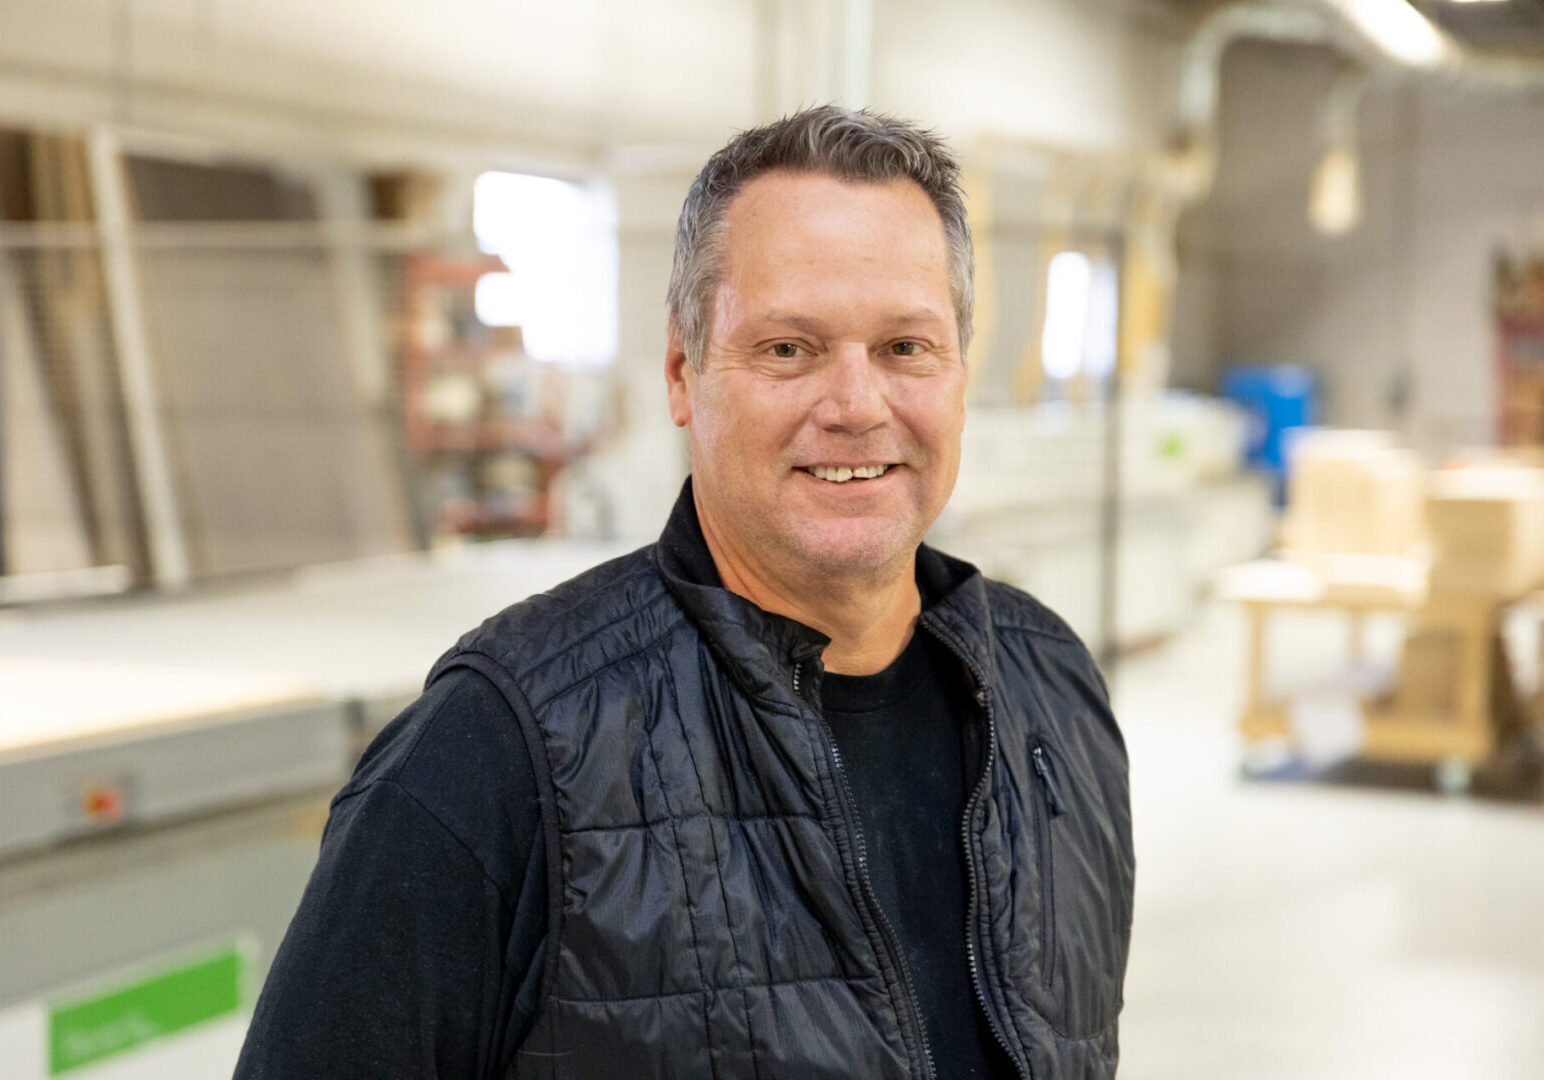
x=82 y=1032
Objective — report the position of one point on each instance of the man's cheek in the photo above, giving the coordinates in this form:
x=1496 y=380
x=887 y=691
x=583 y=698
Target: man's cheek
x=711 y=425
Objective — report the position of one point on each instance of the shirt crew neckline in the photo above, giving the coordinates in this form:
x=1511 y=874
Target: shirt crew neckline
x=868 y=693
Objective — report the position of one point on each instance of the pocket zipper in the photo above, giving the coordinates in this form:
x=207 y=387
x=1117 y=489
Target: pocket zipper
x=1053 y=797
x=1055 y=807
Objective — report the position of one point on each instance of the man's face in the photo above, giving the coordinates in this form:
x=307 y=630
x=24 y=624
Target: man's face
x=833 y=353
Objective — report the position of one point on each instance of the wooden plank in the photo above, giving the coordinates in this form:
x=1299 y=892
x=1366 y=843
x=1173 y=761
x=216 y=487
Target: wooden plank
x=1265 y=721
x=1388 y=736
x=1413 y=737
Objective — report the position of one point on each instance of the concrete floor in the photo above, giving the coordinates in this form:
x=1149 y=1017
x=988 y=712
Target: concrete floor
x=1318 y=929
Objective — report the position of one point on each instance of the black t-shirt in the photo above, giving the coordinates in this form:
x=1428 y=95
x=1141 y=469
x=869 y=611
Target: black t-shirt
x=912 y=752
x=417 y=947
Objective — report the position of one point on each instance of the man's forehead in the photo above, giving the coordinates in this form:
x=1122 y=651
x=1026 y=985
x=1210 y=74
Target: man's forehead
x=796 y=188
x=828 y=214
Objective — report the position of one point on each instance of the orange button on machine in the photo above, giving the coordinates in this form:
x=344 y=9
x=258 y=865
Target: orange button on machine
x=102 y=803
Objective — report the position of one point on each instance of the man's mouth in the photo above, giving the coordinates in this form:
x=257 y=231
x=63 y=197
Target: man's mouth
x=842 y=474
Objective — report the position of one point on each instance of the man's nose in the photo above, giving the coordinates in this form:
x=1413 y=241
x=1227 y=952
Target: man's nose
x=854 y=392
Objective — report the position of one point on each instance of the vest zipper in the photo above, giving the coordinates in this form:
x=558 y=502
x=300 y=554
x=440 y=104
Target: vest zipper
x=972 y=805
x=886 y=930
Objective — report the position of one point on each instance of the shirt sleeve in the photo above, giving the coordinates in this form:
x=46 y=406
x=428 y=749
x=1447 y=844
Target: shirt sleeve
x=416 y=947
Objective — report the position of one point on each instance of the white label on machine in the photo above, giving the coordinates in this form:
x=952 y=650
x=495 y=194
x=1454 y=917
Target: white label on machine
x=24 y=1041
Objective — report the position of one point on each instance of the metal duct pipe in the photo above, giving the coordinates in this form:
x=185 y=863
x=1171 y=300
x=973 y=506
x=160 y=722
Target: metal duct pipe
x=1405 y=45
x=1201 y=71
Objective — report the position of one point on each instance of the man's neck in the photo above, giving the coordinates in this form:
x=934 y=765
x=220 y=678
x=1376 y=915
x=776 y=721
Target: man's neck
x=869 y=620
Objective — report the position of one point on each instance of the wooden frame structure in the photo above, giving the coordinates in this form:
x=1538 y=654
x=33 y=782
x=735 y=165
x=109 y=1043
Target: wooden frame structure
x=1482 y=713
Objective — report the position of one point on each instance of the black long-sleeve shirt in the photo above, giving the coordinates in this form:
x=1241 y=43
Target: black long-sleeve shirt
x=415 y=951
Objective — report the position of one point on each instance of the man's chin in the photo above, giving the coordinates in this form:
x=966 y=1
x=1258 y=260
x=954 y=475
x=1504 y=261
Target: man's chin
x=841 y=550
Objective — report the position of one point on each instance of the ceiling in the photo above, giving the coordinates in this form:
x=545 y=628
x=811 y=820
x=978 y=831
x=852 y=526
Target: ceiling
x=1501 y=27
x=1507 y=26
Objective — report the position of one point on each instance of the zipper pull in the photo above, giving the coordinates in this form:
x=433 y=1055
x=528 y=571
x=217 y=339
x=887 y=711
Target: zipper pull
x=977 y=691
x=1053 y=798
x=796 y=668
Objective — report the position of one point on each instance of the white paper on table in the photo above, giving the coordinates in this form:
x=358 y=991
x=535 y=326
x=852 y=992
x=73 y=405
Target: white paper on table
x=1327 y=725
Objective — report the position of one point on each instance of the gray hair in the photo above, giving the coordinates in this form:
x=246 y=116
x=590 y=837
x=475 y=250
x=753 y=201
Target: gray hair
x=829 y=140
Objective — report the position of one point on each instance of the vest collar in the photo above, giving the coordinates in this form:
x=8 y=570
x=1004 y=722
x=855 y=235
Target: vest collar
x=759 y=646
x=756 y=643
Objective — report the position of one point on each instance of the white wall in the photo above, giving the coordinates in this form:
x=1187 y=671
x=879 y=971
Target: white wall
x=380 y=76
x=1086 y=74
x=1480 y=187
x=1402 y=300
x=581 y=75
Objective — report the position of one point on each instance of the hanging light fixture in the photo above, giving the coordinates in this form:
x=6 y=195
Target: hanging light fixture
x=1335 y=196
x=1335 y=202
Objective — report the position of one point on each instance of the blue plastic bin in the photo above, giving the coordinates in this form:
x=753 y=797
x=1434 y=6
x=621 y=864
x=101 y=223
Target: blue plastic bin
x=1278 y=398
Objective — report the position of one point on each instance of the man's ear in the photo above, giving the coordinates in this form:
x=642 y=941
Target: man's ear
x=678 y=379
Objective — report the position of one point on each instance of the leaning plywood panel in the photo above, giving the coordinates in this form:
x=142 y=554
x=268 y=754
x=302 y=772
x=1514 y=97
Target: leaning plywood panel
x=280 y=459
x=62 y=289
x=39 y=504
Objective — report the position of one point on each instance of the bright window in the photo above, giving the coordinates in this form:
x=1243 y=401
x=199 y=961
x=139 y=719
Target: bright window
x=559 y=242
x=1081 y=317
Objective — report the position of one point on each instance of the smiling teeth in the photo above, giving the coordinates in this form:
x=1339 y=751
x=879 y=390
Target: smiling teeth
x=842 y=474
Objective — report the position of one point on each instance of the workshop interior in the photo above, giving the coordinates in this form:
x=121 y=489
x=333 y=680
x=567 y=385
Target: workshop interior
x=329 y=330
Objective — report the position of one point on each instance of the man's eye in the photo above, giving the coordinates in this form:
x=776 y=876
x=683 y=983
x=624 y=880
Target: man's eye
x=785 y=350
x=907 y=348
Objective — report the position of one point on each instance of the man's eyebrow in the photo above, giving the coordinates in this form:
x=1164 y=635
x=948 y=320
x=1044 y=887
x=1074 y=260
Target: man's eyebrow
x=920 y=315
x=812 y=325
x=798 y=322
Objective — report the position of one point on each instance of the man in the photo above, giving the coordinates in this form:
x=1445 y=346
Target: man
x=786 y=794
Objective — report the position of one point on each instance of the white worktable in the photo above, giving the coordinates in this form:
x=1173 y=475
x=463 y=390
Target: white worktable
x=109 y=693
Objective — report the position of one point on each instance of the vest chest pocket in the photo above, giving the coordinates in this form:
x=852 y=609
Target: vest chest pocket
x=1085 y=879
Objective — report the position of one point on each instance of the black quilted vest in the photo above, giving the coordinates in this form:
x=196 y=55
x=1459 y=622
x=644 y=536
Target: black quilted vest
x=710 y=913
